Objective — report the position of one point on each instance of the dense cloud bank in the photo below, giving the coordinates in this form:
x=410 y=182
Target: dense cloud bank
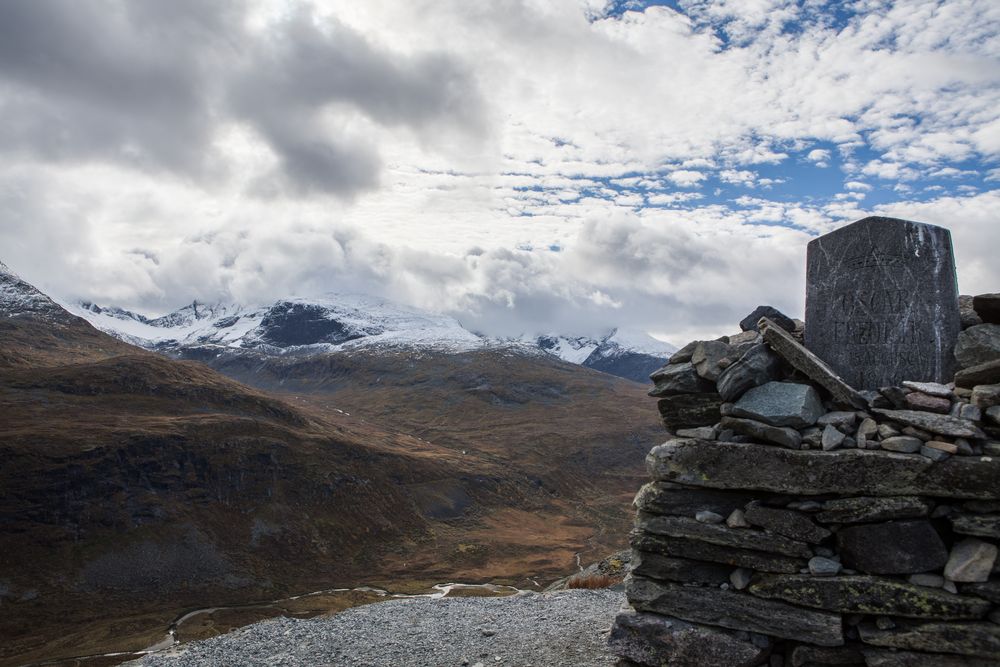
x=524 y=165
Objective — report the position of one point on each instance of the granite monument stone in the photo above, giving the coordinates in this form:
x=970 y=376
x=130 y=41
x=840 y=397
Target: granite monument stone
x=882 y=302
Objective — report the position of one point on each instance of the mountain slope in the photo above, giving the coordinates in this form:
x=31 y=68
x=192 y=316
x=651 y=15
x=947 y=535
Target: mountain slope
x=136 y=485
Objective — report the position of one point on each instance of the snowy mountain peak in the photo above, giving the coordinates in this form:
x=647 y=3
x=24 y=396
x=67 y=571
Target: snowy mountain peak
x=578 y=349
x=17 y=297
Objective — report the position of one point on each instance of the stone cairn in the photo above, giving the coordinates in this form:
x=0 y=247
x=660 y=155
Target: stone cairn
x=795 y=518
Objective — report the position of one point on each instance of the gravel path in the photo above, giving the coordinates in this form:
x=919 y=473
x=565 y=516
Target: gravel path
x=561 y=629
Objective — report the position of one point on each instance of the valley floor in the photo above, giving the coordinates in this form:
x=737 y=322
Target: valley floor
x=561 y=629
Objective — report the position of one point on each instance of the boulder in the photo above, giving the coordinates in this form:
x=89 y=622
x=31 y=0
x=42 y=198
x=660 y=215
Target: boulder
x=758 y=365
x=985 y=396
x=789 y=523
x=978 y=345
x=729 y=465
x=674 y=379
x=987 y=307
x=737 y=611
x=807 y=363
x=869 y=508
x=706 y=358
x=780 y=404
x=975 y=638
x=751 y=321
x=652 y=639
x=684 y=354
x=894 y=547
x=971 y=560
x=779 y=435
x=689 y=410
x=860 y=594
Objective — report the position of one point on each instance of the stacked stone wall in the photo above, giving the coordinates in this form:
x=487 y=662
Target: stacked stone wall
x=792 y=520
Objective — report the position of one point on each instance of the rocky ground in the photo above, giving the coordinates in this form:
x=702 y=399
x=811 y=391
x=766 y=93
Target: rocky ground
x=561 y=629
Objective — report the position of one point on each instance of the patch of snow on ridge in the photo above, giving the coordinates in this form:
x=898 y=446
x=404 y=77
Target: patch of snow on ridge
x=574 y=350
x=640 y=342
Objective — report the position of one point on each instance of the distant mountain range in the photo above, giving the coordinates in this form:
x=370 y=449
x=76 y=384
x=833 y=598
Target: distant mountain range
x=344 y=322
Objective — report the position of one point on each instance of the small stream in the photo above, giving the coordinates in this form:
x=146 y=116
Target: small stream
x=170 y=638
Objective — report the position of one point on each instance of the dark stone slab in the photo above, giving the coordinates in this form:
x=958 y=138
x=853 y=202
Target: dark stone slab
x=954 y=427
x=789 y=523
x=737 y=611
x=826 y=656
x=675 y=379
x=675 y=500
x=978 y=345
x=981 y=639
x=894 y=547
x=810 y=365
x=714 y=553
x=780 y=404
x=680 y=570
x=758 y=365
x=988 y=590
x=866 y=509
x=652 y=639
x=882 y=302
x=743 y=538
x=782 y=436
x=749 y=323
x=880 y=657
x=987 y=307
x=983 y=525
x=730 y=465
x=986 y=373
x=690 y=410
x=860 y=594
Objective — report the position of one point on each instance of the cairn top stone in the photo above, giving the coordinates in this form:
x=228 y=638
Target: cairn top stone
x=882 y=302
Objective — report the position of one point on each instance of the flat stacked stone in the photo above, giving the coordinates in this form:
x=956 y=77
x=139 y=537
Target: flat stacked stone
x=799 y=521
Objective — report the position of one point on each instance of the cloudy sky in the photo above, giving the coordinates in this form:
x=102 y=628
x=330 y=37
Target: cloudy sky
x=528 y=165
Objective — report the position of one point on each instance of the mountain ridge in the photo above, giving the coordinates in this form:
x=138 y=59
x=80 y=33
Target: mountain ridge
x=344 y=322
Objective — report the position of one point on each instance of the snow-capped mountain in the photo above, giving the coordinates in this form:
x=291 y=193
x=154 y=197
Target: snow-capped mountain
x=19 y=297
x=629 y=354
x=326 y=324
x=338 y=322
